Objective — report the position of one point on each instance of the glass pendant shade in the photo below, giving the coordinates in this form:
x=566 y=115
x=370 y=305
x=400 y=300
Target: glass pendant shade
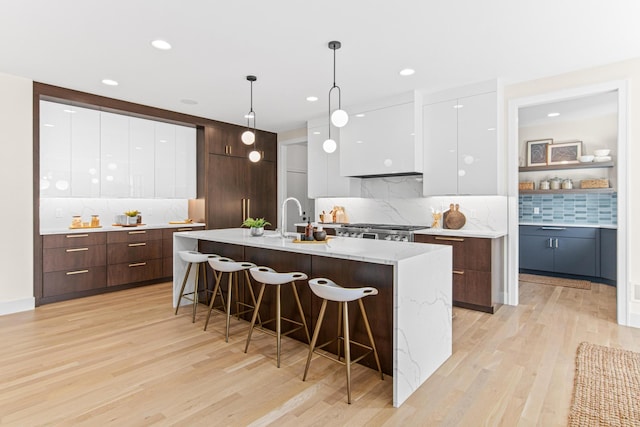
x=254 y=156
x=339 y=118
x=248 y=137
x=329 y=146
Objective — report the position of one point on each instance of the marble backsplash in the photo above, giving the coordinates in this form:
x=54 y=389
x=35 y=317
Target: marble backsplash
x=56 y=213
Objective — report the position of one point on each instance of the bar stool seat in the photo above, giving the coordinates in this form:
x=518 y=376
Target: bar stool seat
x=221 y=265
x=200 y=259
x=268 y=276
x=328 y=290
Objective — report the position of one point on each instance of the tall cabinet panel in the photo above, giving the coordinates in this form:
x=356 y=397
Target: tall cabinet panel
x=165 y=159
x=85 y=153
x=477 y=150
x=185 y=163
x=227 y=191
x=440 y=133
x=55 y=149
x=114 y=155
x=141 y=151
x=263 y=191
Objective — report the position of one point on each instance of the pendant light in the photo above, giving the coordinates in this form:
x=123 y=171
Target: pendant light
x=249 y=136
x=339 y=117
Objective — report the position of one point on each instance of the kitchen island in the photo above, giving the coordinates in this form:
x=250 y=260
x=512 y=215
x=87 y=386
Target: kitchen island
x=410 y=317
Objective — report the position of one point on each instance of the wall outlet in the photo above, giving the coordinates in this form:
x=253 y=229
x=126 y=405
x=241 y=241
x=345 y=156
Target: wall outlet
x=536 y=210
x=58 y=212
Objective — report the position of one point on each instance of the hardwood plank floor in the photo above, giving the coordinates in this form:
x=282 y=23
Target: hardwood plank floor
x=124 y=359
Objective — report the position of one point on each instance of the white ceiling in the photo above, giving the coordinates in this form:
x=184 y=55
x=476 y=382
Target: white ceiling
x=588 y=107
x=76 y=44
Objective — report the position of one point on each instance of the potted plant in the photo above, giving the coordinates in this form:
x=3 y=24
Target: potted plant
x=132 y=217
x=256 y=225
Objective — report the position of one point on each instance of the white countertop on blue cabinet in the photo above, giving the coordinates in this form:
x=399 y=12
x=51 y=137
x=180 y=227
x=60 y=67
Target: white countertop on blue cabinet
x=422 y=292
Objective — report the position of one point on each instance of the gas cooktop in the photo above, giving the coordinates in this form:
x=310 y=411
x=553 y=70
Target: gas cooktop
x=394 y=227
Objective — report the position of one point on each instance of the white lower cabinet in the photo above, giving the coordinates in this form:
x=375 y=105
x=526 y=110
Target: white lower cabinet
x=323 y=169
x=461 y=146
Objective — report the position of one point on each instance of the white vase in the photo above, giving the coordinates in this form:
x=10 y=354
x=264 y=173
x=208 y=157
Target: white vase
x=257 y=231
x=132 y=220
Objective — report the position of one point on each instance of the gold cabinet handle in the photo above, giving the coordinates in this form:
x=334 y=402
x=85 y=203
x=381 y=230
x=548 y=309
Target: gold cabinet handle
x=70 y=273
x=185 y=229
x=138 y=232
x=450 y=239
x=133 y=245
x=138 y=264
x=77 y=249
x=244 y=209
x=73 y=236
x=248 y=208
x=458 y=272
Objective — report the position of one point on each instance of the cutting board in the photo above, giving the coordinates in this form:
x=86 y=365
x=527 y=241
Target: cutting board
x=453 y=218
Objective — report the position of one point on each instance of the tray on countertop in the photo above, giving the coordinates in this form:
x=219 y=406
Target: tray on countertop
x=184 y=221
x=128 y=225
x=84 y=228
x=311 y=241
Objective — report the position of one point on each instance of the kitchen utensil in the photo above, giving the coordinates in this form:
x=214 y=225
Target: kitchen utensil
x=567 y=184
x=544 y=185
x=554 y=183
x=601 y=152
x=319 y=235
x=586 y=159
x=453 y=218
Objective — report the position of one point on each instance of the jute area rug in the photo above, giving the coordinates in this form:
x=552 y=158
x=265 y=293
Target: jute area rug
x=606 y=390
x=555 y=281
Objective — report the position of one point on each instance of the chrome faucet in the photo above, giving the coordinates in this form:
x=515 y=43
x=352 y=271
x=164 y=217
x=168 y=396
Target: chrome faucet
x=284 y=204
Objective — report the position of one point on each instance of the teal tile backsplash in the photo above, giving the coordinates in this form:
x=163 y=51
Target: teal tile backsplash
x=573 y=208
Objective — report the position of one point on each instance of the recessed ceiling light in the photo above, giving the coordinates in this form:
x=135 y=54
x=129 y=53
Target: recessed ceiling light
x=490 y=129
x=312 y=98
x=458 y=106
x=69 y=111
x=553 y=114
x=407 y=72
x=316 y=133
x=360 y=115
x=358 y=142
x=109 y=82
x=161 y=44
x=49 y=125
x=248 y=116
x=189 y=101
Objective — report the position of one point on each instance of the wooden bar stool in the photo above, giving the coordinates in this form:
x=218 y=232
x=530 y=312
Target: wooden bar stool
x=194 y=257
x=330 y=291
x=268 y=276
x=223 y=265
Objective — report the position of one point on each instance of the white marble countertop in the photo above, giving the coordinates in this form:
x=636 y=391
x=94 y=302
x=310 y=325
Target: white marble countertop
x=321 y=224
x=560 y=224
x=375 y=251
x=117 y=228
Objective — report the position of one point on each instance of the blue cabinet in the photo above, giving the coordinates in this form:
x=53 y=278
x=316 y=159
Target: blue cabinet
x=608 y=253
x=568 y=250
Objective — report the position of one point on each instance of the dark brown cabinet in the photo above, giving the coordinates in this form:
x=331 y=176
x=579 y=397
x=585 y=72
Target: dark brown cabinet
x=73 y=262
x=236 y=188
x=473 y=279
x=134 y=256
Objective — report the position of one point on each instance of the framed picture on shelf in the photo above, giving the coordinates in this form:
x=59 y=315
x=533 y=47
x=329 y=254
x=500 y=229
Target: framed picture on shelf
x=564 y=153
x=537 y=151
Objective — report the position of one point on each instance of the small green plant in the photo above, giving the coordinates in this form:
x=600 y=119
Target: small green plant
x=131 y=213
x=255 y=223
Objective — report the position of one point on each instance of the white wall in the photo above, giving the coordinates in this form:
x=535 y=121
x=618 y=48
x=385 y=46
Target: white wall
x=16 y=193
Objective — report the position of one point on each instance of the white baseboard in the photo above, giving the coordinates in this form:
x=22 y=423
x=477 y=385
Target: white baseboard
x=17 y=305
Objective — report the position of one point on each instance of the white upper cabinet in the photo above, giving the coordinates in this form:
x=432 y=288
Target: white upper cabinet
x=461 y=142
x=323 y=169
x=380 y=141
x=185 y=163
x=85 y=152
x=141 y=152
x=89 y=153
x=114 y=155
x=55 y=153
x=165 y=160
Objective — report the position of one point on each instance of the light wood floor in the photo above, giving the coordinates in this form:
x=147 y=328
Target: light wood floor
x=125 y=359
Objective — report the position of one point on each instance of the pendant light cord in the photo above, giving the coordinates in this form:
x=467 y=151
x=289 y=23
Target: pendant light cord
x=251 y=112
x=333 y=46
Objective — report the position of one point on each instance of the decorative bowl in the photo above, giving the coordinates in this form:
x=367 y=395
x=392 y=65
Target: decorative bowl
x=320 y=235
x=602 y=152
x=586 y=159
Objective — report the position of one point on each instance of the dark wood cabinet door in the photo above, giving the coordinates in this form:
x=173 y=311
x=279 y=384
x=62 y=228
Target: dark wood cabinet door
x=134 y=252
x=64 y=259
x=225 y=139
x=263 y=198
x=228 y=179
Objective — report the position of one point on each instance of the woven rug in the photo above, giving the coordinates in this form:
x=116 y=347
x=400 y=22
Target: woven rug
x=555 y=281
x=606 y=390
